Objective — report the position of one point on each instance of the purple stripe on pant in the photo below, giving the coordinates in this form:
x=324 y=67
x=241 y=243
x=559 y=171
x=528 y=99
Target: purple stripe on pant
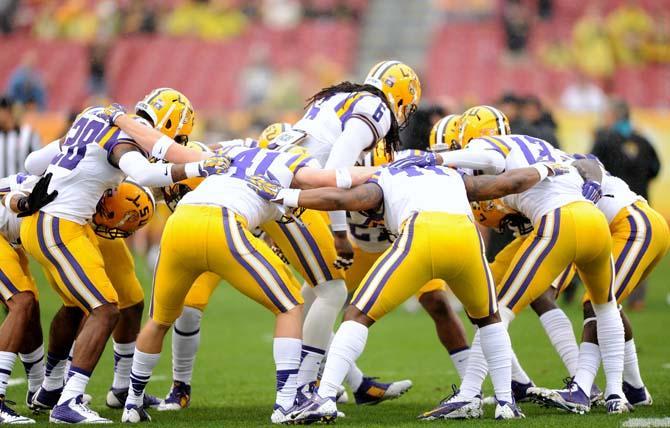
x=296 y=248
x=316 y=251
x=7 y=283
x=55 y=228
x=405 y=251
x=45 y=250
x=246 y=265
x=640 y=254
x=540 y=259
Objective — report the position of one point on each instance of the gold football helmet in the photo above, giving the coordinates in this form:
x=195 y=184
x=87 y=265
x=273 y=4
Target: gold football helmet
x=378 y=156
x=495 y=214
x=482 y=121
x=170 y=112
x=272 y=132
x=444 y=135
x=173 y=193
x=401 y=86
x=123 y=210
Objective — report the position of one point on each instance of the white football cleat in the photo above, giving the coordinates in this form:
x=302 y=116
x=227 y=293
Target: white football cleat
x=74 y=411
x=9 y=416
x=134 y=414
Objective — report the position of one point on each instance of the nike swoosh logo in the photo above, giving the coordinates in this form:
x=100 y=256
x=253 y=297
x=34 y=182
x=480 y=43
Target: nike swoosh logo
x=166 y=171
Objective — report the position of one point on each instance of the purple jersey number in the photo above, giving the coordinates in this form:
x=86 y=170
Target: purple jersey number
x=245 y=160
x=87 y=132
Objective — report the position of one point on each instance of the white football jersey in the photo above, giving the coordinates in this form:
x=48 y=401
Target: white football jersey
x=82 y=170
x=325 y=119
x=230 y=189
x=10 y=224
x=521 y=151
x=414 y=189
x=616 y=196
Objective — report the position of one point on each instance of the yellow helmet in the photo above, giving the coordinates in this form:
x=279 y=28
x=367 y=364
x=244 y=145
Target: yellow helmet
x=495 y=214
x=482 y=121
x=378 y=156
x=173 y=193
x=272 y=132
x=444 y=135
x=401 y=86
x=170 y=112
x=123 y=210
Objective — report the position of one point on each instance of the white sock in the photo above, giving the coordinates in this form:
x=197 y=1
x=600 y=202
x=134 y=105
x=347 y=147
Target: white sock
x=311 y=359
x=54 y=371
x=497 y=348
x=68 y=362
x=354 y=377
x=589 y=361
x=140 y=373
x=33 y=363
x=286 y=351
x=518 y=373
x=611 y=342
x=7 y=360
x=319 y=323
x=558 y=327
x=76 y=384
x=471 y=385
x=123 y=361
x=460 y=360
x=631 y=369
x=347 y=346
x=185 y=344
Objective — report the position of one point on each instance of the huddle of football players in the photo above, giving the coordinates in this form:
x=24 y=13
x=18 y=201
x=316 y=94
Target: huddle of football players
x=244 y=210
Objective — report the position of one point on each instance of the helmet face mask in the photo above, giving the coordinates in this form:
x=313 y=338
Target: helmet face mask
x=123 y=210
x=445 y=134
x=271 y=132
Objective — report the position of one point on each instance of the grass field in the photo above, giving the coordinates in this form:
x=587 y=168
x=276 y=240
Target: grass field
x=233 y=383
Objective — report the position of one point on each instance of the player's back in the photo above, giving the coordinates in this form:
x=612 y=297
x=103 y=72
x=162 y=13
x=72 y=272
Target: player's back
x=230 y=189
x=412 y=189
x=521 y=151
x=325 y=119
x=82 y=170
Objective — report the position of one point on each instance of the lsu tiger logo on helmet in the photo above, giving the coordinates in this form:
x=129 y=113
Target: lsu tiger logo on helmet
x=378 y=156
x=271 y=132
x=173 y=193
x=482 y=121
x=444 y=134
x=123 y=210
x=169 y=111
x=496 y=215
x=400 y=85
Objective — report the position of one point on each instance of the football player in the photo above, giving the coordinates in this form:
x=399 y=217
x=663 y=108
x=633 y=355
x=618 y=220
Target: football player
x=567 y=229
x=220 y=242
x=341 y=122
x=427 y=226
x=640 y=240
x=93 y=156
x=20 y=331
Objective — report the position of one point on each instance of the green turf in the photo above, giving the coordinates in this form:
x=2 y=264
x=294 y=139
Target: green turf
x=233 y=383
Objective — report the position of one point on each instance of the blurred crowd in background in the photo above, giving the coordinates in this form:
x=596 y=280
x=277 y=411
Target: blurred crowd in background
x=547 y=64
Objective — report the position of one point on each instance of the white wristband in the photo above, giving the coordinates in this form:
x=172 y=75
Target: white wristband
x=542 y=169
x=290 y=197
x=160 y=148
x=8 y=199
x=192 y=169
x=343 y=178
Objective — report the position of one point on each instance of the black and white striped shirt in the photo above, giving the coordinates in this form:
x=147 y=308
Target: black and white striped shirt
x=15 y=145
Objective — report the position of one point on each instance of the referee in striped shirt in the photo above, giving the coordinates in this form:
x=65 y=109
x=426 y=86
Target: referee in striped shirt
x=16 y=140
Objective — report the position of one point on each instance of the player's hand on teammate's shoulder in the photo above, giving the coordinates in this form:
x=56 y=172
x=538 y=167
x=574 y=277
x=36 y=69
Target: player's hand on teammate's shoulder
x=218 y=163
x=38 y=198
x=111 y=113
x=422 y=161
x=265 y=187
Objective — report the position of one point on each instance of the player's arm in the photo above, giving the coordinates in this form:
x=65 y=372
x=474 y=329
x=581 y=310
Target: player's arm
x=130 y=160
x=489 y=161
x=160 y=146
x=36 y=162
x=28 y=201
x=486 y=187
x=364 y=197
x=309 y=178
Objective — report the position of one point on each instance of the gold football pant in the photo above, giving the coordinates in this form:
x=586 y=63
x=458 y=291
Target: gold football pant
x=420 y=255
x=15 y=276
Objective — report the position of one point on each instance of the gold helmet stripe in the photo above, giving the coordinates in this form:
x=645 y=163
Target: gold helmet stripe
x=383 y=68
x=439 y=135
x=499 y=119
x=155 y=93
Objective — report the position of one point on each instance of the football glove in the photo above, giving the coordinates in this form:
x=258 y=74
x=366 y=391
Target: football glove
x=279 y=253
x=267 y=188
x=557 y=168
x=111 y=113
x=38 y=198
x=428 y=159
x=216 y=164
x=592 y=191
